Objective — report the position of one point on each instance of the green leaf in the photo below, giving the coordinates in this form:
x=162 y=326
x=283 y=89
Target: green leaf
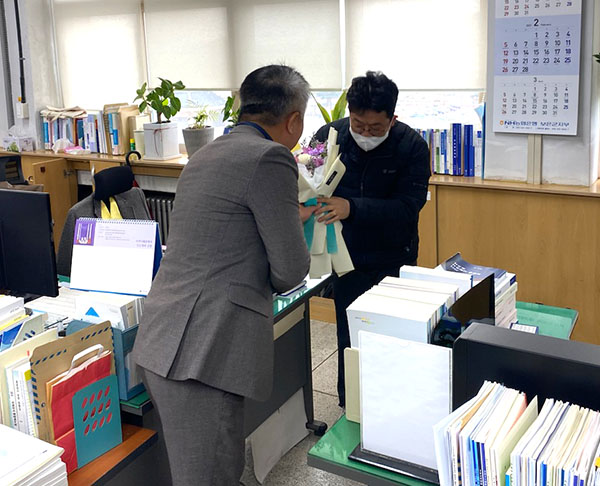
x=156 y=105
x=339 y=109
x=179 y=85
x=324 y=112
x=167 y=111
x=597 y=56
x=175 y=104
x=143 y=106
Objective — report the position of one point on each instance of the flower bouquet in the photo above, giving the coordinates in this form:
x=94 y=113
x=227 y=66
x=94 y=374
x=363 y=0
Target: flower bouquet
x=319 y=172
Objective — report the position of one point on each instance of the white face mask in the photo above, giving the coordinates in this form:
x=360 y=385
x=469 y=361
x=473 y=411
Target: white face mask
x=368 y=143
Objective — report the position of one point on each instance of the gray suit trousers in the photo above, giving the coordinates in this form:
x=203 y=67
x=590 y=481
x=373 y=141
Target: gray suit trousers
x=203 y=428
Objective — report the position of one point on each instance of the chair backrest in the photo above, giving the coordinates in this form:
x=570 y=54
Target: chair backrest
x=10 y=169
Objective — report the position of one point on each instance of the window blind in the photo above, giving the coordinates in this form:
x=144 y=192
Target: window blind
x=420 y=44
x=100 y=51
x=215 y=44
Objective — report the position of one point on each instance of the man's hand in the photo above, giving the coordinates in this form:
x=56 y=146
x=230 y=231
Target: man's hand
x=337 y=209
x=306 y=211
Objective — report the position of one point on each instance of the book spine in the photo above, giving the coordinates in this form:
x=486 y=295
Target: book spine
x=12 y=404
x=456 y=148
x=46 y=132
x=115 y=133
x=80 y=133
x=478 y=154
x=20 y=401
x=29 y=403
x=437 y=152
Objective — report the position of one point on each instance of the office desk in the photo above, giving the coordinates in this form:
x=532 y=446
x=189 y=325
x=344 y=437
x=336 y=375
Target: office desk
x=331 y=454
x=293 y=367
x=135 y=441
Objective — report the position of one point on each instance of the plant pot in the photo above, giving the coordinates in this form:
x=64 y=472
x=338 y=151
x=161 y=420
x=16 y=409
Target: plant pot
x=161 y=141
x=195 y=138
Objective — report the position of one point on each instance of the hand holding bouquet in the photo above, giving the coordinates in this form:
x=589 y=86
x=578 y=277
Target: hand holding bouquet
x=319 y=172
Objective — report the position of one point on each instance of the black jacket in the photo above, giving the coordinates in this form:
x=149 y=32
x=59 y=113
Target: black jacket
x=386 y=187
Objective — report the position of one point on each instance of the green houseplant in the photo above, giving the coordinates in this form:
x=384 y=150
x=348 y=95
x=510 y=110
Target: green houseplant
x=231 y=113
x=339 y=110
x=199 y=133
x=597 y=57
x=161 y=138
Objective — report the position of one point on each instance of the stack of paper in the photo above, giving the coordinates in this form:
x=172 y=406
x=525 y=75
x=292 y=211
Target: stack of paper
x=404 y=308
x=25 y=460
x=123 y=311
x=404 y=391
x=505 y=286
x=463 y=281
x=12 y=315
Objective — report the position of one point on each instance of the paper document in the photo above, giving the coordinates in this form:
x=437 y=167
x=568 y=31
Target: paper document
x=114 y=255
x=405 y=390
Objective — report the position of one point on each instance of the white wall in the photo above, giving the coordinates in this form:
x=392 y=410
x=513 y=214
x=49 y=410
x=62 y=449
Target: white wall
x=568 y=160
x=39 y=65
x=565 y=159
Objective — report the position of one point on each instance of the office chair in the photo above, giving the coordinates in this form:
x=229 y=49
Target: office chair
x=117 y=182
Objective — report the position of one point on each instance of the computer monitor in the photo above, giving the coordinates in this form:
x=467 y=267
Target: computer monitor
x=27 y=258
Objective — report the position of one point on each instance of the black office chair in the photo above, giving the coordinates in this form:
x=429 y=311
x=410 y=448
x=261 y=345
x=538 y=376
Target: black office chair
x=11 y=170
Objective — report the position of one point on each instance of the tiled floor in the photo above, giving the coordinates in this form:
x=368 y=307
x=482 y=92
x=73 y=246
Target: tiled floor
x=292 y=469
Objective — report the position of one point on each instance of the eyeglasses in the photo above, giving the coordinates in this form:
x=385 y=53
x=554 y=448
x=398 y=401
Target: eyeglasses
x=375 y=129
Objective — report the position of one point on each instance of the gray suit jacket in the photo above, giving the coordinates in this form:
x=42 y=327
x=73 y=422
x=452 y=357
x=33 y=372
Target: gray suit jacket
x=132 y=205
x=235 y=236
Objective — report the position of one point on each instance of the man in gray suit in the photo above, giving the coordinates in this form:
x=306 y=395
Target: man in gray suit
x=206 y=338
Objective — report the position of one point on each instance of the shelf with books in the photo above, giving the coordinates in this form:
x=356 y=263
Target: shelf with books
x=456 y=151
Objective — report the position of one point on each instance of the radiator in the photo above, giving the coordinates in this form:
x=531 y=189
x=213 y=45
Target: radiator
x=160 y=210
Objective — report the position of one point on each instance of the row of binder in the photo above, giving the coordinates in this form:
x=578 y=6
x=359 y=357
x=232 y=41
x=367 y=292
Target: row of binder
x=498 y=439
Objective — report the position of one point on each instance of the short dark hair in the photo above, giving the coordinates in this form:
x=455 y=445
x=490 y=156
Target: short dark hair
x=375 y=91
x=270 y=93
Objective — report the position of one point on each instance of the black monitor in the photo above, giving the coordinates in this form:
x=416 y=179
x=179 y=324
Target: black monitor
x=27 y=258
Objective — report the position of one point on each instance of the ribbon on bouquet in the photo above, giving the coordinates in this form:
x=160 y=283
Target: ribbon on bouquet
x=309 y=230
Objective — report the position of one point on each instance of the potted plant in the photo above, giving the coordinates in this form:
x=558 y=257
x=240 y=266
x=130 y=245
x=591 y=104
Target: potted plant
x=161 y=138
x=230 y=115
x=199 y=133
x=339 y=110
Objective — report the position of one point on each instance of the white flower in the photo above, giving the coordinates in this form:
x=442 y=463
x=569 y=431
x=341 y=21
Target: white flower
x=303 y=159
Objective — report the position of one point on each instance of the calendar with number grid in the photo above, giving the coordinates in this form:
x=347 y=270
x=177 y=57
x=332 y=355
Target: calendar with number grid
x=537 y=47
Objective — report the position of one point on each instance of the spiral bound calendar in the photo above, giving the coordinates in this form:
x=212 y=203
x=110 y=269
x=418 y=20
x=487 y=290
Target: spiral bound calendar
x=115 y=255
x=537 y=47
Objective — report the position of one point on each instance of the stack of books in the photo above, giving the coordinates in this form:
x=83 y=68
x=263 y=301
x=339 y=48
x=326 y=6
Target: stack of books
x=15 y=324
x=456 y=151
x=497 y=439
x=25 y=460
x=505 y=286
x=405 y=308
x=106 y=131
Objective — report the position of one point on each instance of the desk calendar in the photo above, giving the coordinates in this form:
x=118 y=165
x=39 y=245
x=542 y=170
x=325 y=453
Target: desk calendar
x=537 y=48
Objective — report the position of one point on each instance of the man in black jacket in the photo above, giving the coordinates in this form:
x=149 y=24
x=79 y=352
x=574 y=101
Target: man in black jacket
x=379 y=198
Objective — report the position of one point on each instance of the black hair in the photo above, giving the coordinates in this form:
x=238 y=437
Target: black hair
x=375 y=91
x=270 y=93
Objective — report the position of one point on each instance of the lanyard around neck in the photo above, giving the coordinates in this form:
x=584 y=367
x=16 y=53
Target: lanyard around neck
x=258 y=127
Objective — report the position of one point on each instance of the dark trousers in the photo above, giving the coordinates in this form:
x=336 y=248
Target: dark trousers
x=203 y=428
x=347 y=289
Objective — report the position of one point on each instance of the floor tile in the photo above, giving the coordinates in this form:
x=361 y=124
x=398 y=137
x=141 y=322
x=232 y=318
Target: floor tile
x=323 y=341
x=325 y=376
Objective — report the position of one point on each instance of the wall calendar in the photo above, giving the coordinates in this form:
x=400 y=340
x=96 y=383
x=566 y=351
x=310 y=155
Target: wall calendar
x=537 y=47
